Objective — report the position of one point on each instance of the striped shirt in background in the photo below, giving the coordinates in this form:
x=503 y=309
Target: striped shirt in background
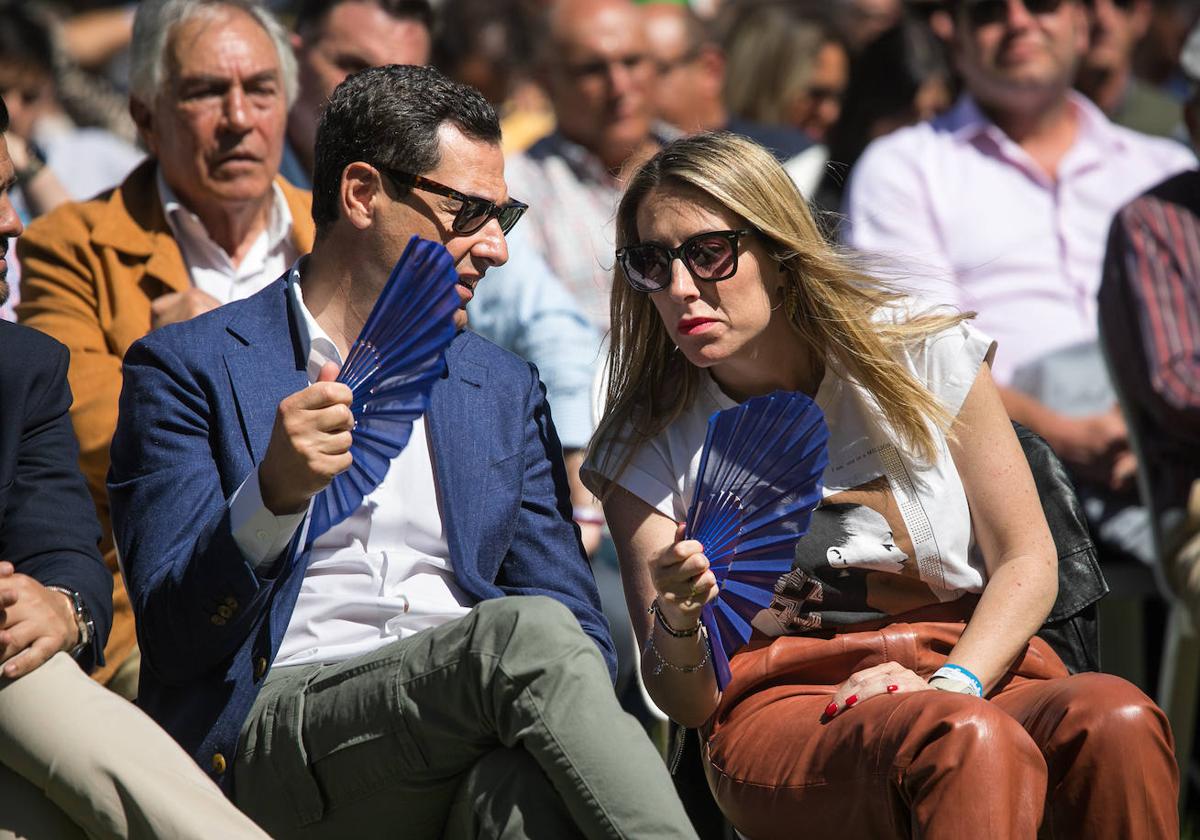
x=1149 y=306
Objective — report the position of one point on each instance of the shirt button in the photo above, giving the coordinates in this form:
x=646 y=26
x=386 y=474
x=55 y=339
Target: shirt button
x=262 y=535
x=231 y=602
x=218 y=763
x=260 y=667
x=224 y=611
x=218 y=620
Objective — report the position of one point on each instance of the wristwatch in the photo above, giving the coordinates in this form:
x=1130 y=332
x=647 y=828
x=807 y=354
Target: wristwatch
x=83 y=620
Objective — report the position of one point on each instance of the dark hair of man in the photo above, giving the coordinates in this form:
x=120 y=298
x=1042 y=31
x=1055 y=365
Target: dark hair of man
x=389 y=117
x=311 y=12
x=3 y=117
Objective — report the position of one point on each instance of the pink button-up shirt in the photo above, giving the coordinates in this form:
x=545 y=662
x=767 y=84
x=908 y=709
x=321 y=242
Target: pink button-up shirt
x=965 y=216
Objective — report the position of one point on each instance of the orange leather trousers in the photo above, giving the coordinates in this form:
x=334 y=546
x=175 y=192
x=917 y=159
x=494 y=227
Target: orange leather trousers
x=1047 y=755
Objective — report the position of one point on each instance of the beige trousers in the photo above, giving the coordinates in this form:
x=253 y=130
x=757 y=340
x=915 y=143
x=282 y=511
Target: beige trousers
x=76 y=760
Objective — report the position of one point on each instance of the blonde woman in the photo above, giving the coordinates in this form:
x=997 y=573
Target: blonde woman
x=895 y=687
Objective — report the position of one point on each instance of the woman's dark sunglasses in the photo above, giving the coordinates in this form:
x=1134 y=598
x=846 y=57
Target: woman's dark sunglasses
x=473 y=212
x=986 y=12
x=712 y=256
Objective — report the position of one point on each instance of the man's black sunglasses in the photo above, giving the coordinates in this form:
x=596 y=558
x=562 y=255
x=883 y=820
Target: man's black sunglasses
x=712 y=256
x=985 y=12
x=474 y=212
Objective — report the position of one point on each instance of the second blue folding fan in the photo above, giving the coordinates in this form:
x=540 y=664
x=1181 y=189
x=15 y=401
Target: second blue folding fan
x=758 y=484
x=391 y=369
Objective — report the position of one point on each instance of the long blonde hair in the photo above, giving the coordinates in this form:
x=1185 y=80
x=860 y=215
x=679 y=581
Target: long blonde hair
x=829 y=300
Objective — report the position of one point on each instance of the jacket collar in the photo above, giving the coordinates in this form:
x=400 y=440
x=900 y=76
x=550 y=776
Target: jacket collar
x=134 y=224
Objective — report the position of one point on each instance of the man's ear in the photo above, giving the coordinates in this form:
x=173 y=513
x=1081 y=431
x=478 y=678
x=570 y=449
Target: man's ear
x=358 y=194
x=143 y=118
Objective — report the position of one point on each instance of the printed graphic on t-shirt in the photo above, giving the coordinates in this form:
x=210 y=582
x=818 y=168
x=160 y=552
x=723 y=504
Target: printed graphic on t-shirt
x=856 y=563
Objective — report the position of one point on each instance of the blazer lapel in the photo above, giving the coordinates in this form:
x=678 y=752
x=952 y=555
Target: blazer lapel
x=458 y=452
x=265 y=363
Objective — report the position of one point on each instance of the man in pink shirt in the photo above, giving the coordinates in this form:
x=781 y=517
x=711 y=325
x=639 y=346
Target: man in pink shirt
x=1002 y=206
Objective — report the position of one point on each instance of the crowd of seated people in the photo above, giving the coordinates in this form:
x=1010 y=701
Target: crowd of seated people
x=935 y=218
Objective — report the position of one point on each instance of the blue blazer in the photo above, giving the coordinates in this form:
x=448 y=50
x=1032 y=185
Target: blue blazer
x=197 y=409
x=48 y=527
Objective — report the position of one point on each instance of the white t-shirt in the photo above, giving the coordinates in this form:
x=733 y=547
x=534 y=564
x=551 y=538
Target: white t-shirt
x=892 y=533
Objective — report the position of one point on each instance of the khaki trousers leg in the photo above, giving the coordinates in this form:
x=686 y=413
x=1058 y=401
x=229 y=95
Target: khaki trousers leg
x=102 y=764
x=407 y=740
x=1076 y=756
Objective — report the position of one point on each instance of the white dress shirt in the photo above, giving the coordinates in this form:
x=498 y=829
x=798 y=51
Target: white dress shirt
x=211 y=269
x=382 y=574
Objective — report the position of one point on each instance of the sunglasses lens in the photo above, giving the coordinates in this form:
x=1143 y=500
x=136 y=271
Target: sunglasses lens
x=648 y=267
x=510 y=214
x=472 y=216
x=712 y=257
x=987 y=12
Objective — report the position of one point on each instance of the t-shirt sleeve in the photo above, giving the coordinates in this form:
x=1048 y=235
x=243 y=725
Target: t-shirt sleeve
x=949 y=361
x=647 y=475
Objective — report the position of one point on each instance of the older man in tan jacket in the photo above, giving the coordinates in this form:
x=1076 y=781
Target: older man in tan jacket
x=205 y=220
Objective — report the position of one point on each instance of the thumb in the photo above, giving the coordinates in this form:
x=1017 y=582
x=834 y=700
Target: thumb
x=680 y=530
x=329 y=372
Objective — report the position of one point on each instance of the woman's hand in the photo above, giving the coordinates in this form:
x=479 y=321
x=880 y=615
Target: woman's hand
x=888 y=678
x=683 y=581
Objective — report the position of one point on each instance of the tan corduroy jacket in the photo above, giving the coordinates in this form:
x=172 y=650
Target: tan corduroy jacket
x=89 y=271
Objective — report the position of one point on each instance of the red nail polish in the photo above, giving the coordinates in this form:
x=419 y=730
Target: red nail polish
x=831 y=710
x=851 y=700
x=893 y=688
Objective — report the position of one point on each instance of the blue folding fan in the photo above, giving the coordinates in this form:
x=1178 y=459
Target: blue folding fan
x=391 y=369
x=758 y=484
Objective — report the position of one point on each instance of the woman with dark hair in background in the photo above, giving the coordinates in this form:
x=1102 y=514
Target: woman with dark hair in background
x=901 y=78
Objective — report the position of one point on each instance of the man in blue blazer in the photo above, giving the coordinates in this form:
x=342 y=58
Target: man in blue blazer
x=437 y=661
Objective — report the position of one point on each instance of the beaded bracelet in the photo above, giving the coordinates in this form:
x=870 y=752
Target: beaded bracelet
x=683 y=669
x=960 y=675
x=671 y=631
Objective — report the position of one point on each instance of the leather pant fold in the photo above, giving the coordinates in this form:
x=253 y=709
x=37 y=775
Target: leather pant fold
x=1048 y=754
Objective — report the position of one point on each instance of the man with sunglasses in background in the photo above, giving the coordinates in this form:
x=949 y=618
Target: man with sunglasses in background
x=435 y=664
x=1002 y=206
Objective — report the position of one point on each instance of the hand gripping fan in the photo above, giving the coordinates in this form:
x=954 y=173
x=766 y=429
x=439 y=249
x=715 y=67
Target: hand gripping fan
x=391 y=369
x=758 y=484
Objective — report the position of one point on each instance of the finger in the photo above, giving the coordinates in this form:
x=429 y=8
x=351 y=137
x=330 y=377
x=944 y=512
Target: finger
x=6 y=568
x=164 y=302
x=333 y=418
x=883 y=684
x=888 y=671
x=336 y=444
x=329 y=372
x=686 y=548
x=30 y=658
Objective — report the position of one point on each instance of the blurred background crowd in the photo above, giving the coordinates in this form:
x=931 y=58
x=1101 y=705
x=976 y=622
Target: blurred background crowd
x=990 y=176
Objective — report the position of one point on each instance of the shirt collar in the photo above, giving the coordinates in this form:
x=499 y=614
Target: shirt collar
x=586 y=166
x=187 y=225
x=320 y=346
x=966 y=121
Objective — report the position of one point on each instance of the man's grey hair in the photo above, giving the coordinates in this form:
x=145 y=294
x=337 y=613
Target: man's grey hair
x=157 y=19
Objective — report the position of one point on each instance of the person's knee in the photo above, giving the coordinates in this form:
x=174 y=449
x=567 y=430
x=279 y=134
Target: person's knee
x=977 y=728
x=535 y=619
x=1102 y=707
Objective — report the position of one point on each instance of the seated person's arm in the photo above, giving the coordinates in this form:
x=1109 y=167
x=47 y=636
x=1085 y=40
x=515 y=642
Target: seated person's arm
x=654 y=563
x=48 y=534
x=183 y=563
x=545 y=556
x=1011 y=531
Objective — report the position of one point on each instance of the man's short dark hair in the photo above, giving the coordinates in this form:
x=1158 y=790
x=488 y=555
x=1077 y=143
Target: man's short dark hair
x=3 y=116
x=389 y=116
x=311 y=12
